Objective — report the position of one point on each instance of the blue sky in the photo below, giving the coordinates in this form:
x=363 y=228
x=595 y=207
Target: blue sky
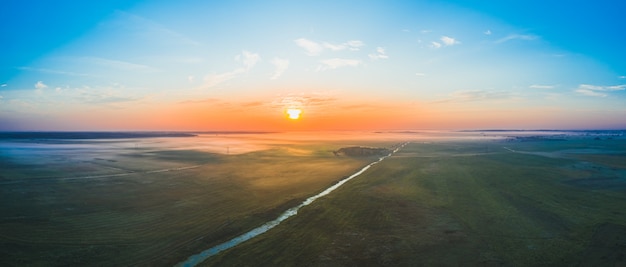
x=204 y=65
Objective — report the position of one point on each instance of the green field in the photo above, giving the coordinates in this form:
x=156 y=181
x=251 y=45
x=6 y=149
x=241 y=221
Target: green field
x=437 y=202
x=115 y=203
x=463 y=204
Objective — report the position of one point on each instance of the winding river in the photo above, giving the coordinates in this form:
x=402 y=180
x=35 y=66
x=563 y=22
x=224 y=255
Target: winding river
x=200 y=257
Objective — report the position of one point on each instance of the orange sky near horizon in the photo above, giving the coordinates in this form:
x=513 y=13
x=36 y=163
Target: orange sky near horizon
x=324 y=115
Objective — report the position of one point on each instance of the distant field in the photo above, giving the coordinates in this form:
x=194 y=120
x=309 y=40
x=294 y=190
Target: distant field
x=151 y=202
x=445 y=199
x=463 y=203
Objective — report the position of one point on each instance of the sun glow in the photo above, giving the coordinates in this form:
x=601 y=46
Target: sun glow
x=294 y=113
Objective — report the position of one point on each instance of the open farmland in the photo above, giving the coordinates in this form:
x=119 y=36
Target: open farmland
x=151 y=202
x=535 y=202
x=445 y=199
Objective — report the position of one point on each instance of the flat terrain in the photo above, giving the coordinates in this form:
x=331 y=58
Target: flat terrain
x=457 y=200
x=463 y=203
x=151 y=202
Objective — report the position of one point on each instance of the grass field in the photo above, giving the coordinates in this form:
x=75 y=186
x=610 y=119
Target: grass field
x=464 y=203
x=116 y=203
x=437 y=202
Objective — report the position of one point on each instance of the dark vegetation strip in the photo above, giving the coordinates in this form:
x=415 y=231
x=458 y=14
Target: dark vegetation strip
x=90 y=135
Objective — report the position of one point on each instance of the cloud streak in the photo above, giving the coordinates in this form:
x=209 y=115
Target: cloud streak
x=315 y=49
x=39 y=86
x=476 y=95
x=281 y=66
x=353 y=45
x=118 y=64
x=522 y=37
x=248 y=60
x=380 y=54
x=100 y=96
x=302 y=101
x=69 y=73
x=444 y=41
x=144 y=27
x=540 y=86
x=312 y=48
x=334 y=63
x=598 y=90
x=449 y=41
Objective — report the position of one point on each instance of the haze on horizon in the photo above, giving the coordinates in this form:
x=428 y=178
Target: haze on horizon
x=347 y=65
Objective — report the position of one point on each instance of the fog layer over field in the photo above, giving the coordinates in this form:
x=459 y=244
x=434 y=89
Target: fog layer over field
x=446 y=198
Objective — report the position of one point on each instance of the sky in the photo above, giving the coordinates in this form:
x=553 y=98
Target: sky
x=346 y=65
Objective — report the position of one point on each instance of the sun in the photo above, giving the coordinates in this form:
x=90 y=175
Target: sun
x=293 y=113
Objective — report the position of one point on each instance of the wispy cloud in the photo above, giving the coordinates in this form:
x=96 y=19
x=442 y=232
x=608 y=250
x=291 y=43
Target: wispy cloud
x=61 y=72
x=598 y=90
x=248 y=60
x=603 y=88
x=302 y=101
x=96 y=95
x=621 y=77
x=118 y=64
x=540 y=86
x=281 y=65
x=314 y=48
x=334 y=63
x=333 y=47
x=522 y=37
x=487 y=32
x=380 y=54
x=350 y=45
x=444 y=41
x=147 y=28
x=476 y=95
x=448 y=41
x=213 y=79
x=420 y=74
x=39 y=86
x=106 y=99
x=588 y=92
x=354 y=45
x=4 y=85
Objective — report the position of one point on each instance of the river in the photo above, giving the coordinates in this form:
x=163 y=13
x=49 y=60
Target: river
x=200 y=257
